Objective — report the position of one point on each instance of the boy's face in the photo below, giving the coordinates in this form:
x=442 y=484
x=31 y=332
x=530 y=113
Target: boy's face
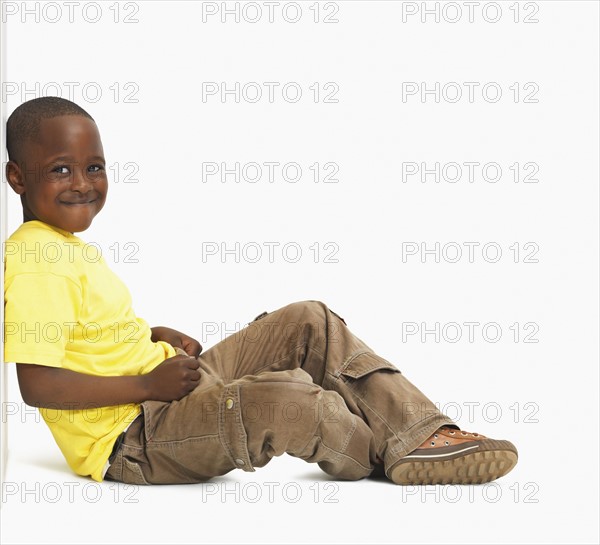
x=62 y=180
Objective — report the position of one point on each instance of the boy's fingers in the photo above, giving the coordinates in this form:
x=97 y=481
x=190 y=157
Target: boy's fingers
x=194 y=348
x=180 y=357
x=193 y=363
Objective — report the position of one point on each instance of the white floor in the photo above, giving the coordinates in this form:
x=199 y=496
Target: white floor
x=288 y=501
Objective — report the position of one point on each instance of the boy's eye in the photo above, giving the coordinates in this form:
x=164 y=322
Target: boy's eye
x=62 y=169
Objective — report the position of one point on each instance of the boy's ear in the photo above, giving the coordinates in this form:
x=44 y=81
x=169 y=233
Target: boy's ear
x=14 y=177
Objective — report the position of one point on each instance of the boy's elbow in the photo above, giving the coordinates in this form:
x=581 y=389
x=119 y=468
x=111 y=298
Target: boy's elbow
x=29 y=397
x=29 y=384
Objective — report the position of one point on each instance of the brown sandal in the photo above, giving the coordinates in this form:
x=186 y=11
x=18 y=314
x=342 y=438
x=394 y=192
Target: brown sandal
x=452 y=456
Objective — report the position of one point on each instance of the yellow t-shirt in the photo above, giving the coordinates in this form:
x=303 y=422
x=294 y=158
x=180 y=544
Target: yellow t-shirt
x=65 y=308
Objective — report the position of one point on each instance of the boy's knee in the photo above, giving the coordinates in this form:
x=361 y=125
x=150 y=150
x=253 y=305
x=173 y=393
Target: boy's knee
x=309 y=311
x=281 y=398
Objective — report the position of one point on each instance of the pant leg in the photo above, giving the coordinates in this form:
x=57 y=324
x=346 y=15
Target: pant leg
x=357 y=390
x=242 y=424
x=310 y=336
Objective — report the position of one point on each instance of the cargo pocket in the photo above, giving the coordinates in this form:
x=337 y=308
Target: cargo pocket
x=132 y=473
x=363 y=363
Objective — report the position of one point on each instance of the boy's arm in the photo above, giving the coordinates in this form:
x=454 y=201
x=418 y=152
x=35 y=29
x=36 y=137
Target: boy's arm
x=57 y=388
x=177 y=340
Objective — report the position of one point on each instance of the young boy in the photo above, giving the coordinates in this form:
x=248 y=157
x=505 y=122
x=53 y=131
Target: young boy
x=142 y=405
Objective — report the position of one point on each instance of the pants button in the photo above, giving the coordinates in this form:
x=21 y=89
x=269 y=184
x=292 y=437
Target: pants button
x=239 y=461
x=229 y=403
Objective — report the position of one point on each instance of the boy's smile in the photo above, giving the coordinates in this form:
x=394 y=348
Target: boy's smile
x=62 y=180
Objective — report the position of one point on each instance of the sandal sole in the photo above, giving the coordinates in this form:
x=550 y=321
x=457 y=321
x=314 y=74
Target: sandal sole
x=492 y=460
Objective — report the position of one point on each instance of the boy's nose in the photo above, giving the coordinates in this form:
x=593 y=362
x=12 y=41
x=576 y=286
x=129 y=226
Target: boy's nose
x=80 y=181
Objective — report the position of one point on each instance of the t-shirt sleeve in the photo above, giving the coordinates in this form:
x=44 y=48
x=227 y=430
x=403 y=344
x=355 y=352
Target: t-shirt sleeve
x=41 y=311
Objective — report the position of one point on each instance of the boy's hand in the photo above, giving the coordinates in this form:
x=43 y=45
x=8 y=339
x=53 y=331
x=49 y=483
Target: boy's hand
x=173 y=379
x=177 y=340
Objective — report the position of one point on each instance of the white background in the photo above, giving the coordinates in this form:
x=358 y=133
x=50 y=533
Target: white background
x=541 y=395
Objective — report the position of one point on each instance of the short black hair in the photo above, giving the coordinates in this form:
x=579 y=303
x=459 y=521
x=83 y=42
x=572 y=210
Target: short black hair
x=24 y=123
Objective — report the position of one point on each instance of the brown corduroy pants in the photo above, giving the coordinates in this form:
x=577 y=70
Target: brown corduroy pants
x=293 y=381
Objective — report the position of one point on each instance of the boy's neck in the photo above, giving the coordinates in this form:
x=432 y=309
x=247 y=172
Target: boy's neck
x=53 y=227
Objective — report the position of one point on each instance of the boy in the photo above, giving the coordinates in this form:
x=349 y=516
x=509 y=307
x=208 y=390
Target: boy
x=142 y=405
